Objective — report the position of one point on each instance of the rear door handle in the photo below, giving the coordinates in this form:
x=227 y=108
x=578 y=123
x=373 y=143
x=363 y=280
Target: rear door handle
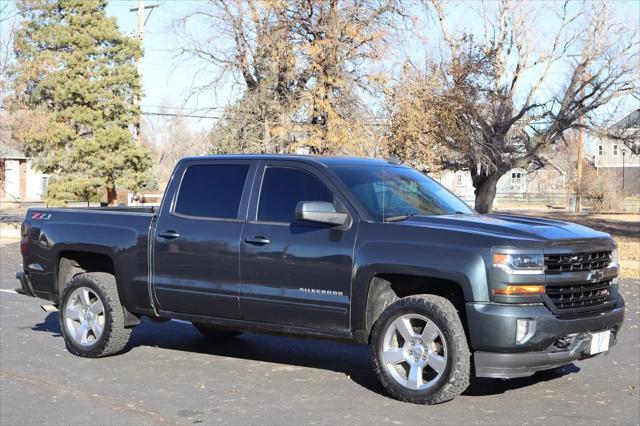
x=258 y=240
x=169 y=235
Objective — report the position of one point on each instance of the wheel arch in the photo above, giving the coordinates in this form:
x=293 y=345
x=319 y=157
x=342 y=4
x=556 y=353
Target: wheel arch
x=75 y=262
x=384 y=288
x=71 y=263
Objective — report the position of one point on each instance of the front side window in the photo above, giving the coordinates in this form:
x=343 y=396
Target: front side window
x=389 y=192
x=283 y=188
x=615 y=150
x=212 y=190
x=600 y=151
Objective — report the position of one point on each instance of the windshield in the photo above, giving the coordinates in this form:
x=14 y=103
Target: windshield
x=390 y=193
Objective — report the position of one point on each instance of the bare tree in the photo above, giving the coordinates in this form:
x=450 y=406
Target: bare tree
x=300 y=65
x=250 y=43
x=170 y=139
x=8 y=27
x=511 y=94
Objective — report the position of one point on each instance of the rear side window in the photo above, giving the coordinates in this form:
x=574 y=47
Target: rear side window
x=283 y=188
x=212 y=190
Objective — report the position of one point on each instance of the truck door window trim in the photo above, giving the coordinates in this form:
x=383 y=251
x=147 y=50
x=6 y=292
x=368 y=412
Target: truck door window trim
x=246 y=186
x=263 y=171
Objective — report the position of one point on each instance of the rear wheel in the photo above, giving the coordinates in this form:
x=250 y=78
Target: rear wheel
x=92 y=317
x=211 y=332
x=420 y=351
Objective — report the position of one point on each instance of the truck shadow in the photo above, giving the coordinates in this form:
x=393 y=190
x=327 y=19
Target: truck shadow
x=487 y=387
x=349 y=359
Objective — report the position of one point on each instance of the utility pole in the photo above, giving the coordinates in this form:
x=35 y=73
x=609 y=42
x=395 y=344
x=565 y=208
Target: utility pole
x=580 y=143
x=579 y=171
x=140 y=32
x=140 y=35
x=624 y=152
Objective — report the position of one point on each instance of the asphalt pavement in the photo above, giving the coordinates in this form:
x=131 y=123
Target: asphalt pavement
x=171 y=375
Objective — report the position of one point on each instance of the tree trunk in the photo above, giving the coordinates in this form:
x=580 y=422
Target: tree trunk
x=112 y=195
x=485 y=191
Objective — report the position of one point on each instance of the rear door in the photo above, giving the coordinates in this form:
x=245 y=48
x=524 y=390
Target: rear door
x=197 y=239
x=293 y=272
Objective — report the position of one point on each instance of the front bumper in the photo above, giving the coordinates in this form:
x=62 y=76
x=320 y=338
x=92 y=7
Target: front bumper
x=557 y=340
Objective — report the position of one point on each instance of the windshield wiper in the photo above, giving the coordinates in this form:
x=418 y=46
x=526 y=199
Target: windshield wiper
x=398 y=218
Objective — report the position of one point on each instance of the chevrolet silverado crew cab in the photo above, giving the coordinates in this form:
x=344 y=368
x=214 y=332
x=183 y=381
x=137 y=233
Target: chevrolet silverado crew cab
x=362 y=250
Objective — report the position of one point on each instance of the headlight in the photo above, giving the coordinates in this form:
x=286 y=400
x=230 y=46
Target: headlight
x=614 y=257
x=519 y=263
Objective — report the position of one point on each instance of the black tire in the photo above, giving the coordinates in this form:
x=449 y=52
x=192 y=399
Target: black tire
x=114 y=336
x=211 y=332
x=455 y=376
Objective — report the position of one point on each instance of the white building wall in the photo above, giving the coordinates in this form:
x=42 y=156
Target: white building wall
x=609 y=154
x=36 y=182
x=12 y=179
x=513 y=182
x=457 y=182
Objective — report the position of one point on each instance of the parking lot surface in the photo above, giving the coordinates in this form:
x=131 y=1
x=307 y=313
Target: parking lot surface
x=171 y=375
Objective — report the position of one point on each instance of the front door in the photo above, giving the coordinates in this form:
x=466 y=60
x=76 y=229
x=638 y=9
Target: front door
x=197 y=239
x=293 y=272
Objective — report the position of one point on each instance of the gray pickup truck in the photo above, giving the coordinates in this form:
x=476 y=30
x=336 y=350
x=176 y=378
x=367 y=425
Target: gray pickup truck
x=362 y=250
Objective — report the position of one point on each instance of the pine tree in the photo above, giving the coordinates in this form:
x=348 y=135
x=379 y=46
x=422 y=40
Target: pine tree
x=75 y=73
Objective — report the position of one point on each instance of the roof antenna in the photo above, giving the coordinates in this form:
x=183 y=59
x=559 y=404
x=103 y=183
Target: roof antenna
x=394 y=159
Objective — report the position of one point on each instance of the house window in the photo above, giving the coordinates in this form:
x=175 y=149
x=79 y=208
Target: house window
x=615 y=150
x=600 y=151
x=516 y=178
x=459 y=179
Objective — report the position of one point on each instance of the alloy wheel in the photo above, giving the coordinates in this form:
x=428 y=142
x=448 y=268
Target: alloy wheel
x=84 y=316
x=414 y=351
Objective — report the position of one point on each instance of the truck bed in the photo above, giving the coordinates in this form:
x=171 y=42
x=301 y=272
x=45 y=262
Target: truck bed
x=117 y=235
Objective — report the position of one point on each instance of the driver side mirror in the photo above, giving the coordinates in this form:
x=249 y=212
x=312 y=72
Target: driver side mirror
x=320 y=212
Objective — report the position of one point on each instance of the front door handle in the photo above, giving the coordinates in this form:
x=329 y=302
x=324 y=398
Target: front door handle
x=169 y=235
x=258 y=240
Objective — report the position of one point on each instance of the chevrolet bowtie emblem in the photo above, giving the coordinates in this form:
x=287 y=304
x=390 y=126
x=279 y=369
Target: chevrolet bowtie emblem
x=595 y=276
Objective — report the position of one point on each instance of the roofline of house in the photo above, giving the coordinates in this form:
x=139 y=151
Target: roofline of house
x=14 y=157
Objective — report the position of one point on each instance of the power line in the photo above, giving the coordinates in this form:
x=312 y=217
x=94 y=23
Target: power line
x=183 y=108
x=168 y=114
x=372 y=123
x=217 y=117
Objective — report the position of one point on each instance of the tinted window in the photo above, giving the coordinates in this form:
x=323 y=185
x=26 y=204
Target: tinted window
x=398 y=191
x=283 y=188
x=212 y=190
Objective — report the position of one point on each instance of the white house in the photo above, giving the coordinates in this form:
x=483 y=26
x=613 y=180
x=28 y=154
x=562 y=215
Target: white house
x=547 y=185
x=619 y=159
x=19 y=179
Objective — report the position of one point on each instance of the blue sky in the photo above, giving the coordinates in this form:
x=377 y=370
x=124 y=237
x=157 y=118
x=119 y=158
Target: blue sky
x=166 y=80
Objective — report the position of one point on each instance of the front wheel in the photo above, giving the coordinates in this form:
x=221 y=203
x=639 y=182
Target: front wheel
x=419 y=350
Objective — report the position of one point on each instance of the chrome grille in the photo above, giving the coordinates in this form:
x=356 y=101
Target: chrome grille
x=590 y=261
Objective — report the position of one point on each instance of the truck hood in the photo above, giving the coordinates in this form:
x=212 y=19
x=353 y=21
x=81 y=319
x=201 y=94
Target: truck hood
x=510 y=227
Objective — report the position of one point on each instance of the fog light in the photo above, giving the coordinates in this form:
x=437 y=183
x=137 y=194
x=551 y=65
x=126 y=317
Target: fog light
x=525 y=329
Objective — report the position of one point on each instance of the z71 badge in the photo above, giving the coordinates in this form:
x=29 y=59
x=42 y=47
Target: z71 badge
x=40 y=216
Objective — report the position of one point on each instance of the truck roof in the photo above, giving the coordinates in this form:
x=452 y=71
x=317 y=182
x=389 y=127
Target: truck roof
x=337 y=161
